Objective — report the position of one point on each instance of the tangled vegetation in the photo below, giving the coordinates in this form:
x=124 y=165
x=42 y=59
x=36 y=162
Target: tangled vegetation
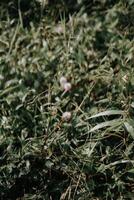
x=75 y=141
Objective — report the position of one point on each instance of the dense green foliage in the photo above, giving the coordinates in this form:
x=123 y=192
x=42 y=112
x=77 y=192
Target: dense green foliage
x=90 y=156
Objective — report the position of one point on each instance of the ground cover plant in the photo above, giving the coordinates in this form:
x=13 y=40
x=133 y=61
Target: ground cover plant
x=67 y=100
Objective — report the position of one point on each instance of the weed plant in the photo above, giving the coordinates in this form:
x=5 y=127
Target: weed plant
x=90 y=154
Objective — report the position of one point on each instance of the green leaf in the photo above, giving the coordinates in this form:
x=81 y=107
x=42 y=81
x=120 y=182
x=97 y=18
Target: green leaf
x=132 y=104
x=49 y=164
x=107 y=112
x=111 y=123
x=8 y=90
x=129 y=128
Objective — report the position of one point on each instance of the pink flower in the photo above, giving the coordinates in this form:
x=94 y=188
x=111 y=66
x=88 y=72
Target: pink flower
x=63 y=81
x=67 y=86
x=66 y=116
x=64 y=84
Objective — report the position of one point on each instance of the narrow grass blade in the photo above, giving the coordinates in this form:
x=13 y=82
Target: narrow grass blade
x=114 y=122
x=8 y=90
x=107 y=112
x=129 y=128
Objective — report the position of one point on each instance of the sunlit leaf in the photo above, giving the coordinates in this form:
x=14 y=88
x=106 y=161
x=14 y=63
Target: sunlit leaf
x=129 y=128
x=106 y=124
x=107 y=113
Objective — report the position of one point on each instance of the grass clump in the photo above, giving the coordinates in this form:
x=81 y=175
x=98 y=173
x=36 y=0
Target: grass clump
x=45 y=153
